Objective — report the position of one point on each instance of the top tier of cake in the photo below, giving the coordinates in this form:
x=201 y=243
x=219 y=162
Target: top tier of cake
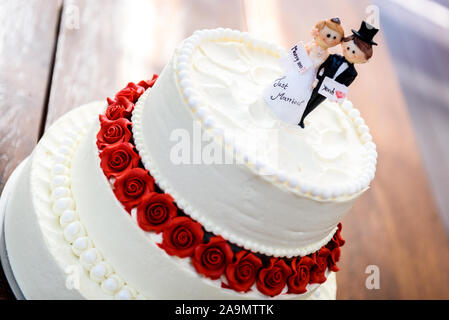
x=263 y=184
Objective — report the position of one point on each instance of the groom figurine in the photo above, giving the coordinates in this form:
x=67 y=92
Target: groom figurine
x=356 y=48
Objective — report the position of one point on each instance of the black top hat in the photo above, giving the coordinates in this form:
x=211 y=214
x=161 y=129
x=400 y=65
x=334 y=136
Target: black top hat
x=366 y=33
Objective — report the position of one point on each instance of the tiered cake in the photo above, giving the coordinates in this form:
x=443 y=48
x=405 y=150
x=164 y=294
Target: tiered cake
x=110 y=206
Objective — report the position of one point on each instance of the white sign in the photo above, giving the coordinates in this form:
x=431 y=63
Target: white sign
x=283 y=97
x=333 y=90
x=300 y=58
x=287 y=96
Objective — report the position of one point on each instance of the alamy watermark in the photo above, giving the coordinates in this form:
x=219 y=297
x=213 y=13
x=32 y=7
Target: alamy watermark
x=71 y=17
x=238 y=146
x=373 y=15
x=372 y=282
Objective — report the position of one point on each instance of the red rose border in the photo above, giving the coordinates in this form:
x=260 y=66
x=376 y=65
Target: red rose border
x=211 y=255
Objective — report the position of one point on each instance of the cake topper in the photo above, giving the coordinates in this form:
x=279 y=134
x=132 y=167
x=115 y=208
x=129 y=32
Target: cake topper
x=288 y=95
x=338 y=71
x=313 y=75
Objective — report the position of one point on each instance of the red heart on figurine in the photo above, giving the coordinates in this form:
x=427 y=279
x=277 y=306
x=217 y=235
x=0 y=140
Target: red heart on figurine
x=340 y=94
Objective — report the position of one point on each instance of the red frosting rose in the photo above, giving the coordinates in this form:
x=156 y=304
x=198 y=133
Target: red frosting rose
x=211 y=259
x=117 y=158
x=119 y=108
x=155 y=211
x=113 y=131
x=272 y=279
x=319 y=268
x=148 y=83
x=333 y=258
x=181 y=237
x=242 y=273
x=131 y=185
x=298 y=281
x=132 y=92
x=337 y=240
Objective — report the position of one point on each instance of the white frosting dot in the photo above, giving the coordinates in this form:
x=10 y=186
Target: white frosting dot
x=359 y=121
x=364 y=180
x=326 y=194
x=363 y=128
x=305 y=187
x=370 y=145
x=188 y=92
x=60 y=192
x=187 y=51
x=99 y=272
x=182 y=66
x=81 y=244
x=72 y=134
x=373 y=153
x=202 y=113
x=68 y=141
x=67 y=217
x=112 y=284
x=258 y=165
x=209 y=122
x=64 y=150
x=185 y=83
x=293 y=182
x=235 y=34
x=59 y=169
x=183 y=57
x=366 y=137
x=269 y=171
x=352 y=189
x=347 y=105
x=228 y=33
x=89 y=258
x=63 y=204
x=60 y=181
x=354 y=113
x=194 y=102
x=73 y=230
x=281 y=177
x=187 y=46
x=123 y=294
x=315 y=191
x=62 y=159
x=337 y=192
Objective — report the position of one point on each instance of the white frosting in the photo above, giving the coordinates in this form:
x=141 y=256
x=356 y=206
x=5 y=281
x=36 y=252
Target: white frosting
x=286 y=213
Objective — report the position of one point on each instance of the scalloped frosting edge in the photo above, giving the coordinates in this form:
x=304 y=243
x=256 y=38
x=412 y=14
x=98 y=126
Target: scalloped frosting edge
x=62 y=206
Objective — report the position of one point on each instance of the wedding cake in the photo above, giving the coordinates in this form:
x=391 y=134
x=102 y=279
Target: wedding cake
x=187 y=186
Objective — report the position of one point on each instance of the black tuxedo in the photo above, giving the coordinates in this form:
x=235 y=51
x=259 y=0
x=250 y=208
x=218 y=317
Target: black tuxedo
x=329 y=68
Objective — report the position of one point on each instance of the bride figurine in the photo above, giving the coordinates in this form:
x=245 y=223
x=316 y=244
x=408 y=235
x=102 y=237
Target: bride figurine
x=326 y=34
x=300 y=84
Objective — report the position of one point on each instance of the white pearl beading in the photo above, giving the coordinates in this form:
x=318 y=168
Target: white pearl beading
x=64 y=209
x=317 y=192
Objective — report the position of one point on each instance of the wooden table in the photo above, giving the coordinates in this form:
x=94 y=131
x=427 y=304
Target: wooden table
x=56 y=55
